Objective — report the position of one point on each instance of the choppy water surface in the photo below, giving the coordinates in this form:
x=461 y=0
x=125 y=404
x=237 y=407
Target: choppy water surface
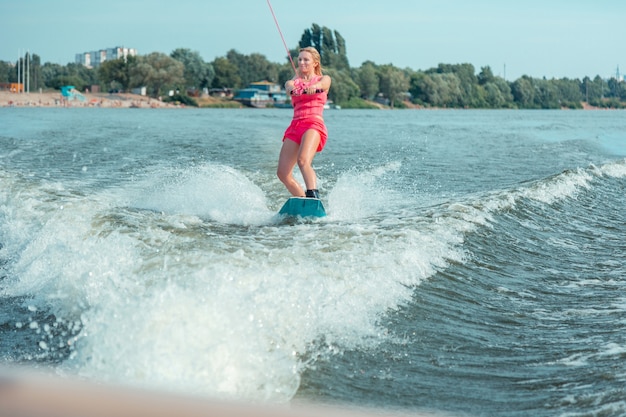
x=472 y=262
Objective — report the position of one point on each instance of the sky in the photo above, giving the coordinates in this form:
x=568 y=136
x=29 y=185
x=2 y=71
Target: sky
x=538 y=38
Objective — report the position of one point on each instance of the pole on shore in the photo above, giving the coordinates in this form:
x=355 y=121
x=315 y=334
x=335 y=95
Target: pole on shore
x=18 y=70
x=28 y=72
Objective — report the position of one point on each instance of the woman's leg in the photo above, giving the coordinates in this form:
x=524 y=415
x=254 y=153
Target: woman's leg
x=308 y=148
x=286 y=163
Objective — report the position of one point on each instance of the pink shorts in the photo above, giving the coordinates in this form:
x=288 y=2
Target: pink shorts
x=298 y=127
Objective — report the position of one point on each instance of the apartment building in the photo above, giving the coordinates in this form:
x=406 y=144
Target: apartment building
x=94 y=58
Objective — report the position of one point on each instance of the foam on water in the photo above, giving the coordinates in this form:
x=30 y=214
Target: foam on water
x=358 y=194
x=204 y=292
x=186 y=282
x=210 y=191
x=615 y=170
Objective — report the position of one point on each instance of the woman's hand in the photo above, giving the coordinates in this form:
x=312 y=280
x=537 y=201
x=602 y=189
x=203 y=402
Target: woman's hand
x=294 y=87
x=312 y=89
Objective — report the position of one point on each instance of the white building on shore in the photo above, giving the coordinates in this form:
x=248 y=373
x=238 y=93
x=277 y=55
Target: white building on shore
x=93 y=59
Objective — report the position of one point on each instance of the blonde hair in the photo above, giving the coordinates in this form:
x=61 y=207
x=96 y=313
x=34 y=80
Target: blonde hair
x=316 y=58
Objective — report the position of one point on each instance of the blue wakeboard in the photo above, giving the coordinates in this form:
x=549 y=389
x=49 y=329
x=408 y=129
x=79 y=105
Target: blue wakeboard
x=303 y=207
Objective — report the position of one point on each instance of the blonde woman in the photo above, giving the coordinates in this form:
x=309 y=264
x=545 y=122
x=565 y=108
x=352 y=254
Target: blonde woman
x=307 y=132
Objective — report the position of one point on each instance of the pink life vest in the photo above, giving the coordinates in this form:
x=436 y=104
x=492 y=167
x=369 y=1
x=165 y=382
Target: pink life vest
x=308 y=105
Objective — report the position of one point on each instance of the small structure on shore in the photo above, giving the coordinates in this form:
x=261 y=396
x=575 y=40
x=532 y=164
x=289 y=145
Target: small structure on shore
x=70 y=93
x=12 y=87
x=263 y=94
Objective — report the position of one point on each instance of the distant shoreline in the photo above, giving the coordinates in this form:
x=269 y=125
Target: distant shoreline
x=104 y=100
x=124 y=100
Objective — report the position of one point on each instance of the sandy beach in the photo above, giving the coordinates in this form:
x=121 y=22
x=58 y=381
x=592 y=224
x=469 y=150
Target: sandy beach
x=55 y=99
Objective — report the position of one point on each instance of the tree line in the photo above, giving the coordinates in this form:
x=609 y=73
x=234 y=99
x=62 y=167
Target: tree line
x=447 y=85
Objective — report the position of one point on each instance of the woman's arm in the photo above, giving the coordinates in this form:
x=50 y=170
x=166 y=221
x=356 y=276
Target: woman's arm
x=290 y=86
x=324 y=83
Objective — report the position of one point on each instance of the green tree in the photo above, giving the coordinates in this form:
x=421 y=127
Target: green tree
x=441 y=89
x=343 y=87
x=417 y=82
x=285 y=72
x=393 y=82
x=331 y=46
x=614 y=88
x=591 y=90
x=49 y=72
x=569 y=91
x=116 y=73
x=622 y=90
x=546 y=94
x=468 y=82
x=367 y=79
x=601 y=87
x=5 y=72
x=56 y=76
x=34 y=70
x=197 y=73
x=316 y=37
x=307 y=39
x=485 y=76
x=498 y=93
x=524 y=92
x=157 y=72
x=252 y=68
x=341 y=57
x=226 y=74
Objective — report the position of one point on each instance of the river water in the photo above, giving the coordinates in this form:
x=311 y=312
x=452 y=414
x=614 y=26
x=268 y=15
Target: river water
x=472 y=262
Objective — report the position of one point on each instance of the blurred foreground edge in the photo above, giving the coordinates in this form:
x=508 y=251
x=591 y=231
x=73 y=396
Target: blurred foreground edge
x=24 y=393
